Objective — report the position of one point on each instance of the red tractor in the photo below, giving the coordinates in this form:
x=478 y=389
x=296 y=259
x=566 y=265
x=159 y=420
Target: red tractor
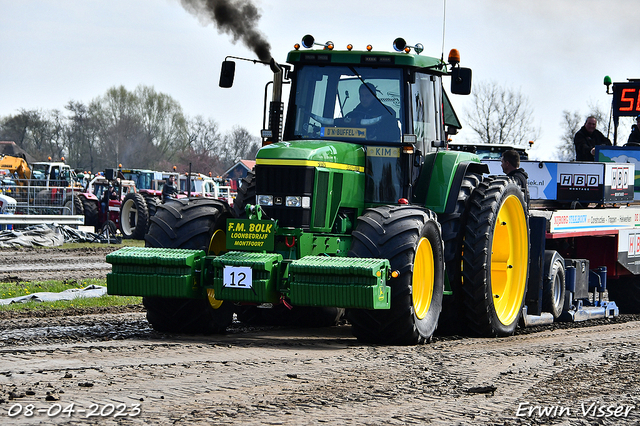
x=102 y=201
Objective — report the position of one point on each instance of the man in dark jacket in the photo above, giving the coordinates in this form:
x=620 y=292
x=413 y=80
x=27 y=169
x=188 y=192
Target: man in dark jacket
x=169 y=189
x=634 y=137
x=511 y=167
x=586 y=140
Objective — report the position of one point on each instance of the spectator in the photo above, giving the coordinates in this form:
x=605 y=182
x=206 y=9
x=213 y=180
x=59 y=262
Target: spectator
x=511 y=167
x=634 y=137
x=587 y=138
x=109 y=194
x=169 y=189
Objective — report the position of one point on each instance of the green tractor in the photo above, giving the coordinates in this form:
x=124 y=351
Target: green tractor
x=354 y=208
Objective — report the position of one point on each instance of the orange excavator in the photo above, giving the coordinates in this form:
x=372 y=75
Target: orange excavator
x=17 y=165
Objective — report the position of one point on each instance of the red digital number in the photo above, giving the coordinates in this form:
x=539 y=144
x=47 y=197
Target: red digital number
x=630 y=100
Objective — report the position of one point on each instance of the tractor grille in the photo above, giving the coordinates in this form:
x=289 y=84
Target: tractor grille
x=281 y=181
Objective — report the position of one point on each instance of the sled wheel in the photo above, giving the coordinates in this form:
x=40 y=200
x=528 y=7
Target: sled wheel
x=496 y=258
x=553 y=290
x=410 y=239
x=625 y=291
x=188 y=224
x=134 y=216
x=453 y=225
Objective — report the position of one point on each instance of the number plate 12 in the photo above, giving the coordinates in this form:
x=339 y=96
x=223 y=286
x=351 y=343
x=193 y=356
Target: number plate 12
x=237 y=277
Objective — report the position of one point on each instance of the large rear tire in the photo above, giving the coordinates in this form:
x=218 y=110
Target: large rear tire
x=73 y=206
x=496 y=258
x=134 y=216
x=152 y=206
x=410 y=238
x=190 y=224
x=90 y=209
x=452 y=318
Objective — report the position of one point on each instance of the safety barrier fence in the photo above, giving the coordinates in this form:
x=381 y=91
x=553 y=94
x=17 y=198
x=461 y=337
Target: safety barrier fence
x=38 y=200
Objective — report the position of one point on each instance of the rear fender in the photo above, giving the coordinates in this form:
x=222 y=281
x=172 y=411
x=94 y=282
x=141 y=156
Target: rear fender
x=441 y=176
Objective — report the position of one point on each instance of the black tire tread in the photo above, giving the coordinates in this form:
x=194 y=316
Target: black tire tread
x=187 y=224
x=392 y=232
x=452 y=319
x=481 y=319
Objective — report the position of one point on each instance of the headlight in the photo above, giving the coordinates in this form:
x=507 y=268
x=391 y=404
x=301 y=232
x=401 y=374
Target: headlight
x=293 y=201
x=265 y=200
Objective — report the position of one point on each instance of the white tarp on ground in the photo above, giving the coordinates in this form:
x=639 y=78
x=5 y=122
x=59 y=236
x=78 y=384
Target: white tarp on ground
x=50 y=236
x=70 y=294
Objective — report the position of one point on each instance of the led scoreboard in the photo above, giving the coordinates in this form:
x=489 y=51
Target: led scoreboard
x=626 y=99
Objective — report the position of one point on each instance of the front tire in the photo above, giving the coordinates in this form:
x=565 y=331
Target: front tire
x=410 y=238
x=496 y=258
x=188 y=224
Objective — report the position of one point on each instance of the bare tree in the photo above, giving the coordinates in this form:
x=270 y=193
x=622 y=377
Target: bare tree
x=164 y=124
x=571 y=122
x=239 y=145
x=202 y=150
x=501 y=115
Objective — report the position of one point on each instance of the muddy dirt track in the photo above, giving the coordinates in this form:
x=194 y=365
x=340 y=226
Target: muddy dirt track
x=111 y=368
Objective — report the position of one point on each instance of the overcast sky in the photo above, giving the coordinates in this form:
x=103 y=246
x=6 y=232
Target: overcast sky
x=556 y=53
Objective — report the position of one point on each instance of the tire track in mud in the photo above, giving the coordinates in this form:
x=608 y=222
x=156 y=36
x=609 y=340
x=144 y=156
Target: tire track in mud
x=297 y=376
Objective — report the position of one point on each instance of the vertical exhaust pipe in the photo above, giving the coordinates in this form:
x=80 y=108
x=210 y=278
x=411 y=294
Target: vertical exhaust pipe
x=276 y=107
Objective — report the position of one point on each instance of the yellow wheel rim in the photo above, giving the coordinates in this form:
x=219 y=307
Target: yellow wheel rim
x=422 y=284
x=509 y=260
x=215 y=303
x=218 y=243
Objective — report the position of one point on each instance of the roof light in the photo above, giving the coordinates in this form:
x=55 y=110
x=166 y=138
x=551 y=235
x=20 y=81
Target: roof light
x=349 y=47
x=296 y=46
x=369 y=47
x=454 y=57
x=328 y=45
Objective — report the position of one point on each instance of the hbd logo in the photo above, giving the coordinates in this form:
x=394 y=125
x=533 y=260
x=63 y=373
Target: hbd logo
x=579 y=180
x=620 y=178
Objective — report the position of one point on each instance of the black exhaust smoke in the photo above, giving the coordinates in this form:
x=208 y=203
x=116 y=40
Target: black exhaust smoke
x=237 y=18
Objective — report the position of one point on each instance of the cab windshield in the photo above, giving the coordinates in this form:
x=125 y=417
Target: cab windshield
x=347 y=103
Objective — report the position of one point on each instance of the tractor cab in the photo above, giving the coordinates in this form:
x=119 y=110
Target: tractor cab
x=393 y=104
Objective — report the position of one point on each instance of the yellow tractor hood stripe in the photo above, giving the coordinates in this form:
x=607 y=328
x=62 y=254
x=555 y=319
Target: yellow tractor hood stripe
x=309 y=163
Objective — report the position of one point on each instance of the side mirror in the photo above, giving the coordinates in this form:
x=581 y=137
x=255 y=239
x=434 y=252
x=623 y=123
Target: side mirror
x=227 y=74
x=461 y=81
